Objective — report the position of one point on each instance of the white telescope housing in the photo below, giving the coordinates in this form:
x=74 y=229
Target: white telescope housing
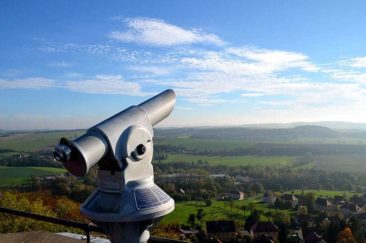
x=122 y=146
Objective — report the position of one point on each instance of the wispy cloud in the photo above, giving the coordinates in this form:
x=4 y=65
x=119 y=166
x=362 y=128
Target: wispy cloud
x=224 y=74
x=100 y=84
x=275 y=59
x=154 y=70
x=27 y=83
x=356 y=62
x=61 y=64
x=156 y=32
x=105 y=84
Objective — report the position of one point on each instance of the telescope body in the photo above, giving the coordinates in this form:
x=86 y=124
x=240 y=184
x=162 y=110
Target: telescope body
x=107 y=139
x=122 y=146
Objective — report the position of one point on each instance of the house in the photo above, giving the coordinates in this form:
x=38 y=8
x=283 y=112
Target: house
x=313 y=237
x=296 y=236
x=269 y=197
x=350 y=209
x=265 y=228
x=181 y=177
x=323 y=204
x=186 y=233
x=224 y=230
x=291 y=198
x=236 y=195
x=339 y=199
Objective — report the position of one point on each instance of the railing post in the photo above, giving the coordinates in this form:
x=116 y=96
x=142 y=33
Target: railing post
x=87 y=232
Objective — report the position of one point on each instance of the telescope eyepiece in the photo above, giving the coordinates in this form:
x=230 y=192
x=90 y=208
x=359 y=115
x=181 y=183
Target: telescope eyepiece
x=62 y=153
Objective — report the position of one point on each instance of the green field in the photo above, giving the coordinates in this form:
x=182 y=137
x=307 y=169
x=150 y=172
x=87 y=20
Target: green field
x=34 y=140
x=218 y=210
x=233 y=160
x=18 y=175
x=307 y=166
x=7 y=154
x=204 y=144
x=344 y=162
x=326 y=193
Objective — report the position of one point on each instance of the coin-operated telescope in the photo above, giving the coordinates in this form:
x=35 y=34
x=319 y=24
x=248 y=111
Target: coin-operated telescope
x=126 y=201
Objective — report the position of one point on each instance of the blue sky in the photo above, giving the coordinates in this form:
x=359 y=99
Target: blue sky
x=69 y=64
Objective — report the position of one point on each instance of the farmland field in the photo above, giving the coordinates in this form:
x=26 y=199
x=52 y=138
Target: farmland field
x=18 y=175
x=346 y=163
x=199 y=149
x=233 y=160
x=204 y=144
x=34 y=140
x=218 y=210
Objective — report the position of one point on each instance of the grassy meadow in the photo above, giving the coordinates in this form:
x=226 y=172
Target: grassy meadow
x=204 y=144
x=32 y=141
x=233 y=160
x=218 y=210
x=326 y=193
x=18 y=175
x=355 y=163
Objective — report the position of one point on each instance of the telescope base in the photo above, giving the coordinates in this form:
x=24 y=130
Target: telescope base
x=129 y=232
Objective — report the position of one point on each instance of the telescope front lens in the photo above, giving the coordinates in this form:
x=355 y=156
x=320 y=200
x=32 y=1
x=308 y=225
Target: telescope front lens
x=62 y=153
x=57 y=156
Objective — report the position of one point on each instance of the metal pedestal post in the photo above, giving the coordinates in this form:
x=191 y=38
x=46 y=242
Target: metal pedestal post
x=132 y=232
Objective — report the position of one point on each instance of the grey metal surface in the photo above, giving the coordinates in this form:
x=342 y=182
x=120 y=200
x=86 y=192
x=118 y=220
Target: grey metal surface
x=160 y=106
x=127 y=198
x=88 y=150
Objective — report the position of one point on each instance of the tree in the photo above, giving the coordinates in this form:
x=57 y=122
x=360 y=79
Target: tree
x=251 y=220
x=208 y=203
x=244 y=208
x=357 y=228
x=345 y=236
x=231 y=203
x=200 y=215
x=282 y=234
x=269 y=215
x=252 y=206
x=331 y=232
x=309 y=201
x=302 y=210
x=191 y=220
x=256 y=187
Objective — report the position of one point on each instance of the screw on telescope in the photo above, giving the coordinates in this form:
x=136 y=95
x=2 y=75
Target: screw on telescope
x=140 y=149
x=139 y=152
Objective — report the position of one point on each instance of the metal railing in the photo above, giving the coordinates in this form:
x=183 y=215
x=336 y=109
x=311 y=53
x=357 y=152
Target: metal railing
x=87 y=228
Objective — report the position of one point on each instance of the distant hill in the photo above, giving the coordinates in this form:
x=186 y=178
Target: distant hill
x=337 y=125
x=253 y=134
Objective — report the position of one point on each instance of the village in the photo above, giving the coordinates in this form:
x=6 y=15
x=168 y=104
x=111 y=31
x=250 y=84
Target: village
x=311 y=220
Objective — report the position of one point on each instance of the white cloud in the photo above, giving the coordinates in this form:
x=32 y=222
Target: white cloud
x=357 y=62
x=250 y=61
x=253 y=94
x=101 y=84
x=105 y=84
x=151 y=70
x=277 y=58
x=61 y=64
x=159 y=33
x=27 y=83
x=230 y=74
